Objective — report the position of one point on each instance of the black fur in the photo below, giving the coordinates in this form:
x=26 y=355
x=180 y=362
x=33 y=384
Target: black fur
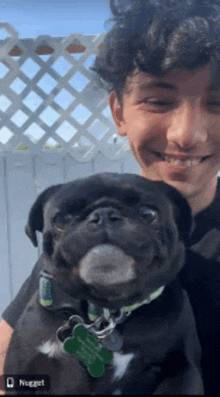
x=112 y=240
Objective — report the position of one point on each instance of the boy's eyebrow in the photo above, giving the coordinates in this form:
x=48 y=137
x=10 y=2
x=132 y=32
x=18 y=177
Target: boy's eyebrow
x=171 y=87
x=157 y=84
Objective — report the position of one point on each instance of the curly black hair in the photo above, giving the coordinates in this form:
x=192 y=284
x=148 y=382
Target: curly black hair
x=157 y=36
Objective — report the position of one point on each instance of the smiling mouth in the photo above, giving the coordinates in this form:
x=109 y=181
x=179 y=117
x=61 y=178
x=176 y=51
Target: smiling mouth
x=188 y=162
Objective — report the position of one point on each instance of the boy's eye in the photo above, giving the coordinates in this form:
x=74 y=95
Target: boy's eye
x=214 y=106
x=160 y=103
x=214 y=103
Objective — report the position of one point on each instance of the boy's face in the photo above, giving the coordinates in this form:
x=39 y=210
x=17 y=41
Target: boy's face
x=173 y=127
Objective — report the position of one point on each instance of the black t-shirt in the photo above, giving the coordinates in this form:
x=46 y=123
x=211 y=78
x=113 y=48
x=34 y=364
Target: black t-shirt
x=201 y=279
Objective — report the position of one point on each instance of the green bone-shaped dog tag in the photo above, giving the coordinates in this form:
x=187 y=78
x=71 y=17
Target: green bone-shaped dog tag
x=86 y=348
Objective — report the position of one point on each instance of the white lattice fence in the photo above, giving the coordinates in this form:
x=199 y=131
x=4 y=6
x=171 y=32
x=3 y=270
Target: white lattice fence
x=55 y=126
x=50 y=98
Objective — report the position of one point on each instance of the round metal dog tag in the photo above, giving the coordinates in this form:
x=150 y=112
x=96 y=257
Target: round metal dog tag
x=113 y=342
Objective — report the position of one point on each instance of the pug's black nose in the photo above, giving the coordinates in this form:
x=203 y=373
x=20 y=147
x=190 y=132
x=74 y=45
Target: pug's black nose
x=102 y=216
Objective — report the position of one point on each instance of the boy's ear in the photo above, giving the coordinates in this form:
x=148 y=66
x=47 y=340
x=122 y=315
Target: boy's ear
x=117 y=113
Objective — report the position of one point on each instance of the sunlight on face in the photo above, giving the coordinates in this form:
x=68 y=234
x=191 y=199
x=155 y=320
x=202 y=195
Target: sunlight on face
x=173 y=127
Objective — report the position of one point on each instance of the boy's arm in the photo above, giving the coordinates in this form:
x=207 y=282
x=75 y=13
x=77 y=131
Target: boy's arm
x=14 y=311
x=6 y=332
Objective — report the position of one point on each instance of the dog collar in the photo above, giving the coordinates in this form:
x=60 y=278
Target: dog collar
x=95 y=311
x=52 y=297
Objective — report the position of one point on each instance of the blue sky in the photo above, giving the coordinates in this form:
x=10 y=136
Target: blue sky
x=32 y=18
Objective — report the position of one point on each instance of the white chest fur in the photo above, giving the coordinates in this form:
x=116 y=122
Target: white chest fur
x=121 y=363
x=52 y=349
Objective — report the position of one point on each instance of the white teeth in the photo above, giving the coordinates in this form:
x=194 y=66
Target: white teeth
x=186 y=163
x=194 y=162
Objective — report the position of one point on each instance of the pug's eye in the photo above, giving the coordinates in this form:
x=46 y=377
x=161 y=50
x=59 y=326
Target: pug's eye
x=62 y=221
x=149 y=214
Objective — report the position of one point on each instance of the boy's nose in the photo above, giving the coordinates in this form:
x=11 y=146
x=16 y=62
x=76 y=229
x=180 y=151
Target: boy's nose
x=189 y=126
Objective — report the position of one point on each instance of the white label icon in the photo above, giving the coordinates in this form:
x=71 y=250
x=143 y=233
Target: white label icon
x=10 y=382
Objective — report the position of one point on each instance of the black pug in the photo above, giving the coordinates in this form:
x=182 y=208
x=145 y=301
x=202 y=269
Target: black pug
x=113 y=246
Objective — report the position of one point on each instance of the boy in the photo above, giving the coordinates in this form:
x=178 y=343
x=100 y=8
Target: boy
x=160 y=62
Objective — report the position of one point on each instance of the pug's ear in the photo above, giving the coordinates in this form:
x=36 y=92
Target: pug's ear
x=184 y=218
x=182 y=211
x=35 y=218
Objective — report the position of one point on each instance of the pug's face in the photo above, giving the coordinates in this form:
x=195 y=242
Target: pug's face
x=112 y=239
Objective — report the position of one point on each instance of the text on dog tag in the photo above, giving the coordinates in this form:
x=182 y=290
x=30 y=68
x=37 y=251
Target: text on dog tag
x=86 y=348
